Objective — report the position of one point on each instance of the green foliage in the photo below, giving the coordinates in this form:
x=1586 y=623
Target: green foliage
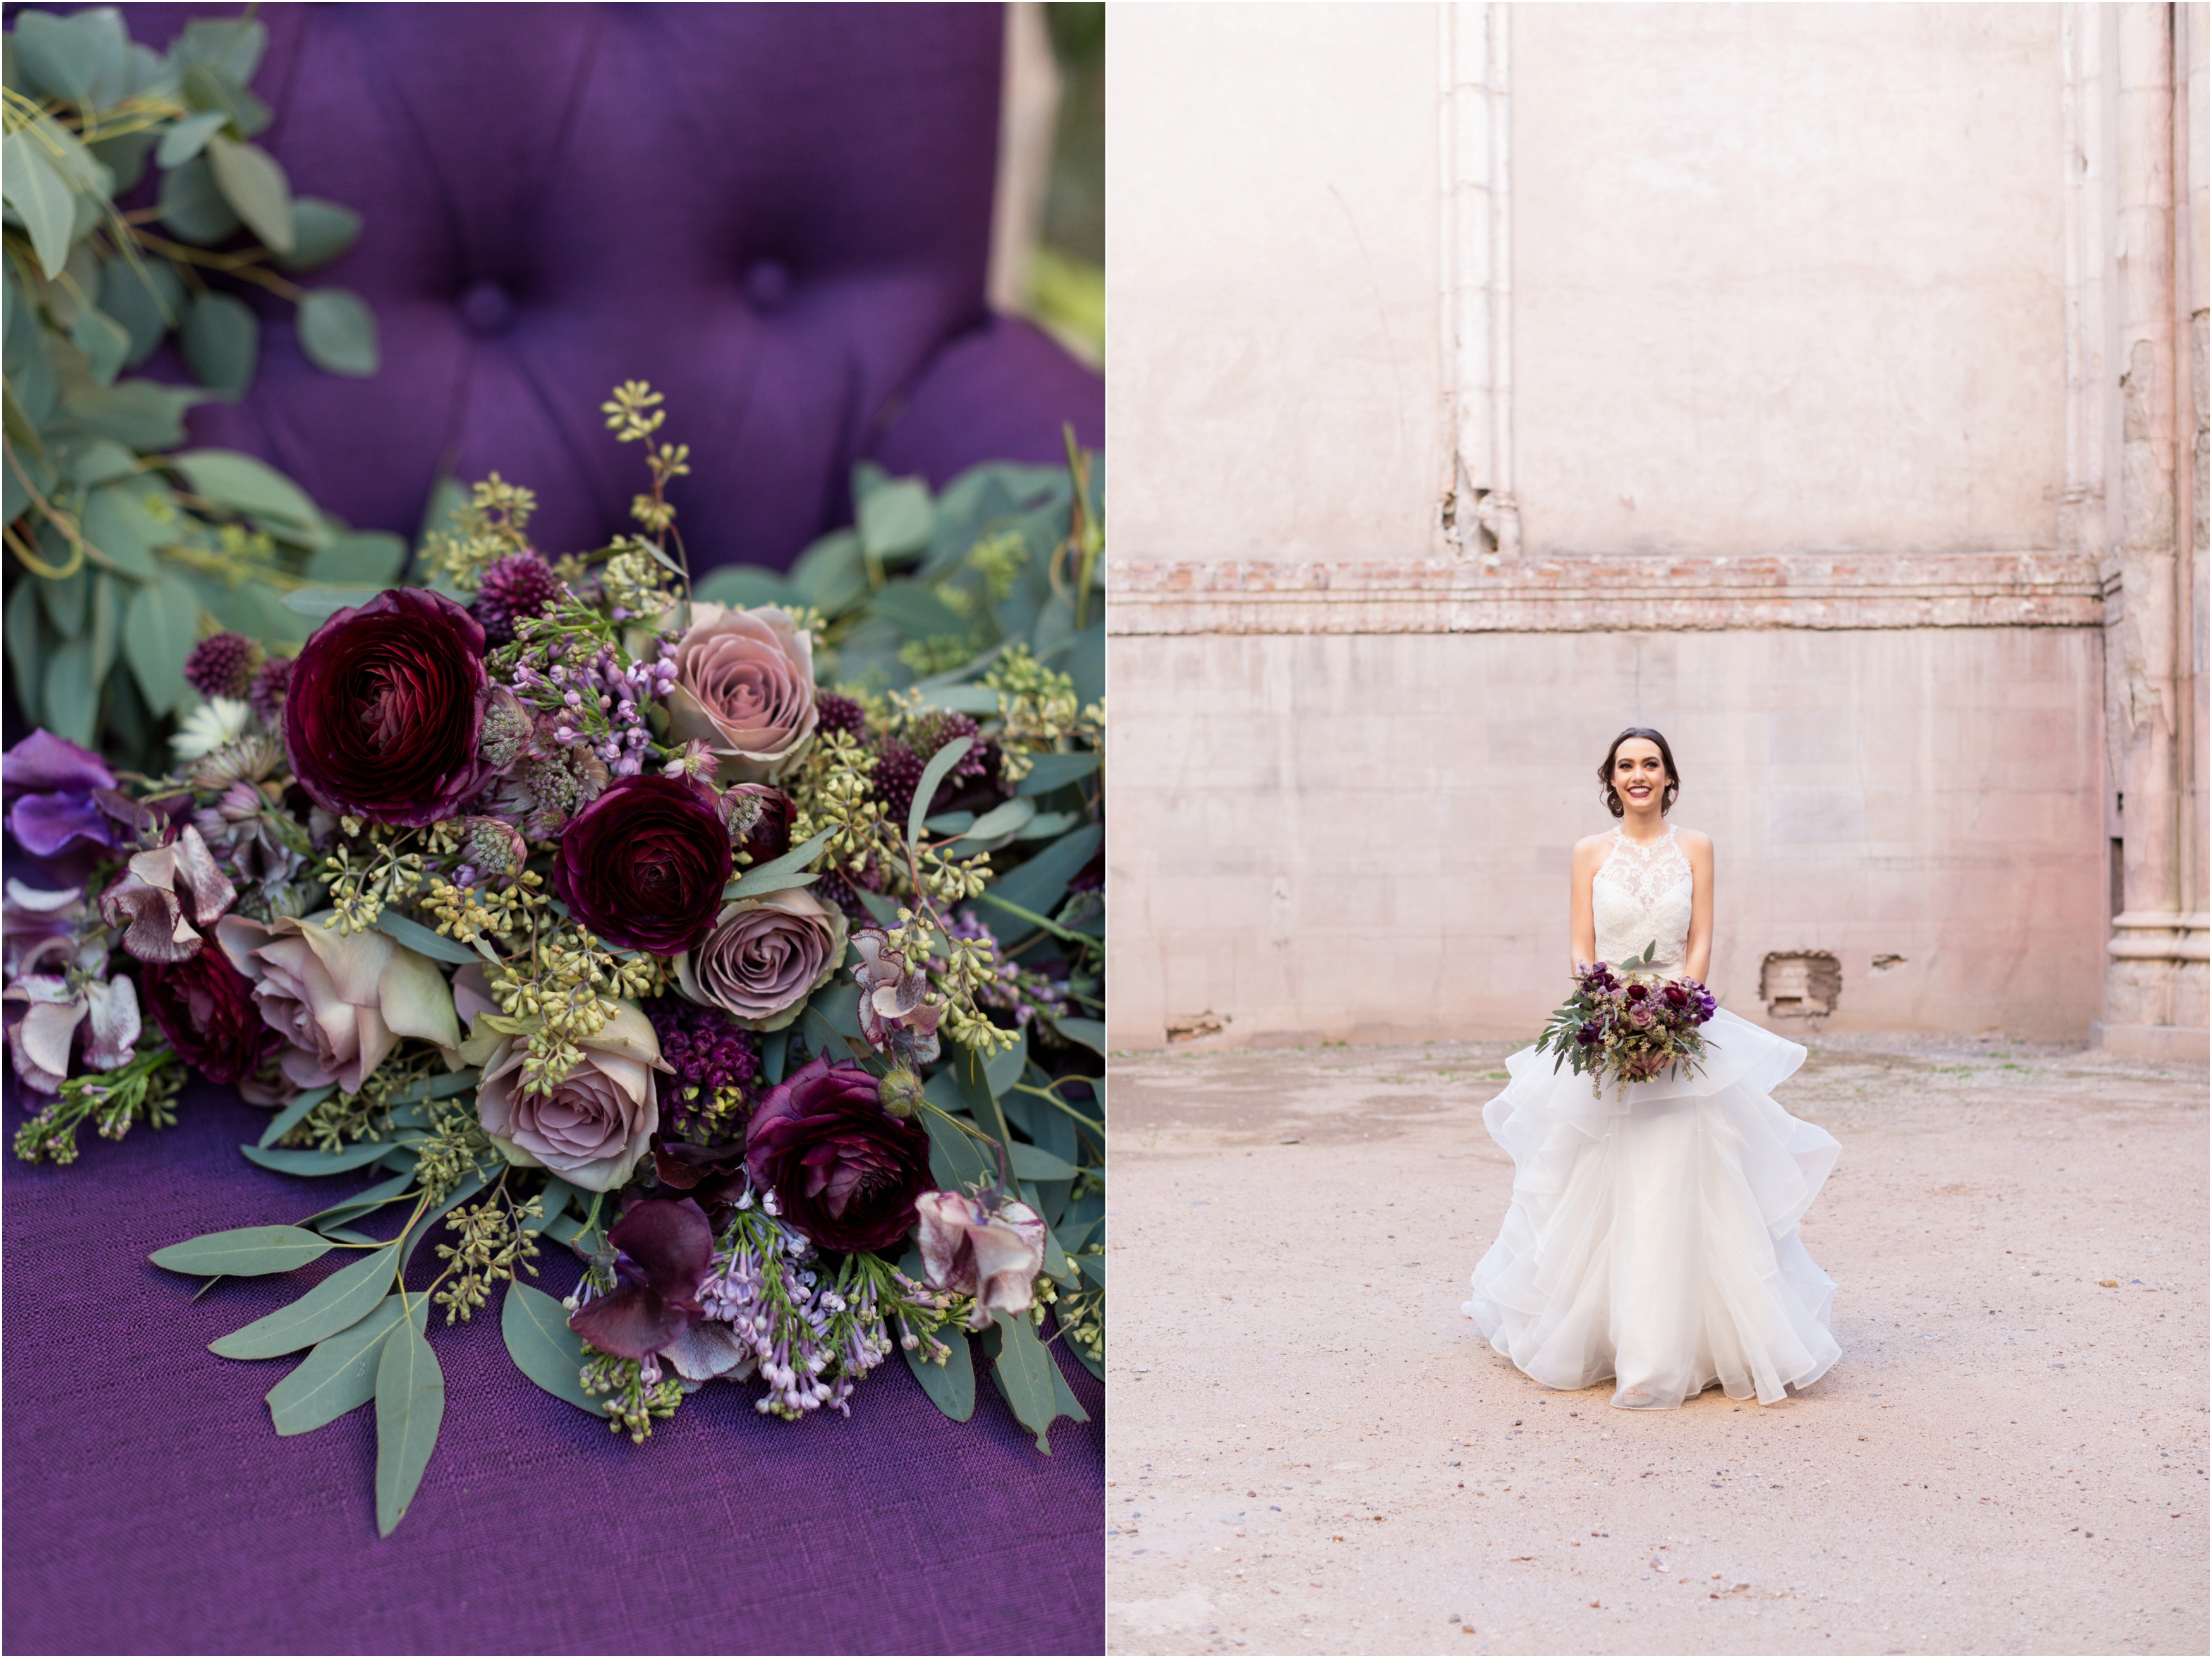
x=91 y=294
x=141 y=1091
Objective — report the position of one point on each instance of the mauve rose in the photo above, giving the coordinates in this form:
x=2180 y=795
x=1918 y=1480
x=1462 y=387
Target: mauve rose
x=845 y=1171
x=383 y=711
x=206 y=1007
x=765 y=957
x=341 y=1001
x=644 y=866
x=993 y=1256
x=744 y=684
x=596 y=1124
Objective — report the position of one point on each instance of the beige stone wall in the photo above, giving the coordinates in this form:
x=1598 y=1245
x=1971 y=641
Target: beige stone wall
x=1787 y=276
x=1367 y=837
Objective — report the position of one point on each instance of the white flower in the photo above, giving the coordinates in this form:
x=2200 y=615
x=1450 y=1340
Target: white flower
x=216 y=722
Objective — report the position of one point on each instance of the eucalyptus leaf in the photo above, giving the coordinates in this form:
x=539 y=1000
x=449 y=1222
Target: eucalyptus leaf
x=337 y=333
x=321 y=231
x=340 y=1374
x=1064 y=1399
x=139 y=413
x=939 y=767
x=232 y=46
x=68 y=599
x=1091 y=1033
x=243 y=1252
x=411 y=1239
x=1049 y=772
x=320 y=603
x=25 y=650
x=743 y=585
x=1002 y=819
x=359 y=558
x=1038 y=885
x=363 y=1203
x=72 y=706
x=951 y=1386
x=107 y=625
x=338 y=1303
x=1024 y=1373
x=895 y=518
x=42 y=201
x=315 y=1164
x=1034 y=1162
x=243 y=485
x=221 y=342
x=422 y=940
x=544 y=1348
x=1004 y=1068
x=769 y=877
x=147 y=298
x=193 y=207
x=189 y=137
x=289 y=1118
x=92 y=460
x=254 y=185
x=105 y=342
x=411 y=1404
x=159 y=626
x=832 y=574
x=58 y=55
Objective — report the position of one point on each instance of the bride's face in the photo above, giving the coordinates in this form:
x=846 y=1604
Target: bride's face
x=1639 y=775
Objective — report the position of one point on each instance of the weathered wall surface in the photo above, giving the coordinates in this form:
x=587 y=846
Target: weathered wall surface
x=1787 y=276
x=1490 y=376
x=1368 y=837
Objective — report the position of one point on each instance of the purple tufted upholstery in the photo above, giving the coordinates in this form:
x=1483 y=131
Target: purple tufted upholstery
x=778 y=215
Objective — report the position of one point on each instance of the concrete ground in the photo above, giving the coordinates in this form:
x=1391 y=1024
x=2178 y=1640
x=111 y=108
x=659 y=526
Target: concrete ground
x=1311 y=1450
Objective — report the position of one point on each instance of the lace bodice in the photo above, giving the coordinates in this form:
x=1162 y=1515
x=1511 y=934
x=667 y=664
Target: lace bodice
x=1641 y=896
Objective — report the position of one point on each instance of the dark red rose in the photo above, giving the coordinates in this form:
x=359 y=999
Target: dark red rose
x=382 y=710
x=206 y=1007
x=644 y=865
x=845 y=1172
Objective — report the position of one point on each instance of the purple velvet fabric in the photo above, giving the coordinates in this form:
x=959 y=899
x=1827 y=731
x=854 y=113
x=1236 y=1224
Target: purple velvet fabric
x=150 y=1506
x=778 y=215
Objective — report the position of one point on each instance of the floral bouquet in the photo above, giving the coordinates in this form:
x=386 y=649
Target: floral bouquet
x=1628 y=1024
x=581 y=910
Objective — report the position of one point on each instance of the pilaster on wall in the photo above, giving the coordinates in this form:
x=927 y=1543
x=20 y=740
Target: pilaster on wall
x=2130 y=108
x=1479 y=516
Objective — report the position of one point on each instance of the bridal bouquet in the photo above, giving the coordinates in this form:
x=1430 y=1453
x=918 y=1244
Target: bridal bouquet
x=583 y=912
x=1627 y=1024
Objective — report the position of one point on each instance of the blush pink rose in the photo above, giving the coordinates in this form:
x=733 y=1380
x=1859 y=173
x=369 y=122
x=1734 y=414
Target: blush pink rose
x=341 y=1002
x=744 y=685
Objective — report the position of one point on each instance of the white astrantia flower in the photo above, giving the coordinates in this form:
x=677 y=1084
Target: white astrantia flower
x=216 y=722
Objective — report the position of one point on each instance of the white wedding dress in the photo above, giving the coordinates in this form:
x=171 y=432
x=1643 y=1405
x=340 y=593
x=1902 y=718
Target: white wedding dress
x=1652 y=1237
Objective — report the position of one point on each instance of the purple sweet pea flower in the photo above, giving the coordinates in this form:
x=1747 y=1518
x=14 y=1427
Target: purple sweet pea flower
x=49 y=783
x=665 y=1247
x=40 y=928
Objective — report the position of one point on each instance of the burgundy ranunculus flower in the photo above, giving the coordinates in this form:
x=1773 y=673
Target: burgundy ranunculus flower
x=382 y=710
x=644 y=865
x=206 y=1007
x=845 y=1171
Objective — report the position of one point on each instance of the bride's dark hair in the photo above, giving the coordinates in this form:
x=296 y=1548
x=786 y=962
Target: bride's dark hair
x=1611 y=795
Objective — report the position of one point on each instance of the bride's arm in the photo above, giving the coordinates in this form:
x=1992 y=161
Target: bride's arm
x=1582 y=927
x=1697 y=958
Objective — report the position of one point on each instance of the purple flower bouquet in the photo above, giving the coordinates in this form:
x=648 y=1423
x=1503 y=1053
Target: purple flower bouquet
x=577 y=907
x=1625 y=1023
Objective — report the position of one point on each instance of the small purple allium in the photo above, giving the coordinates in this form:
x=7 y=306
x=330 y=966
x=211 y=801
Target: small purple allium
x=898 y=774
x=222 y=664
x=521 y=584
x=833 y=713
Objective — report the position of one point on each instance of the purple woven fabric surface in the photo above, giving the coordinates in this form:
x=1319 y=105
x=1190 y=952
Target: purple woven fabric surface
x=150 y=1506
x=780 y=215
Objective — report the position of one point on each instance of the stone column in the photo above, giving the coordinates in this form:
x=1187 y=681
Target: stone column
x=2155 y=979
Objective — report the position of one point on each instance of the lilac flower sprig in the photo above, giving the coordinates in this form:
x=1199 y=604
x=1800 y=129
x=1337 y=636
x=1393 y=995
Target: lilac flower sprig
x=1015 y=989
x=814 y=1337
x=566 y=665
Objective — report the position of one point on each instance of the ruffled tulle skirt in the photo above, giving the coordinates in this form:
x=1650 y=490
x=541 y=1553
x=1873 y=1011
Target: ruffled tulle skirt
x=1652 y=1237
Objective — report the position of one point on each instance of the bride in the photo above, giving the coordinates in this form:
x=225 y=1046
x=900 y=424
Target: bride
x=1652 y=1237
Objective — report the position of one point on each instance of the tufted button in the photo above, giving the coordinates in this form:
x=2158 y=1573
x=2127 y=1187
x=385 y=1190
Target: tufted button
x=487 y=309
x=767 y=283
